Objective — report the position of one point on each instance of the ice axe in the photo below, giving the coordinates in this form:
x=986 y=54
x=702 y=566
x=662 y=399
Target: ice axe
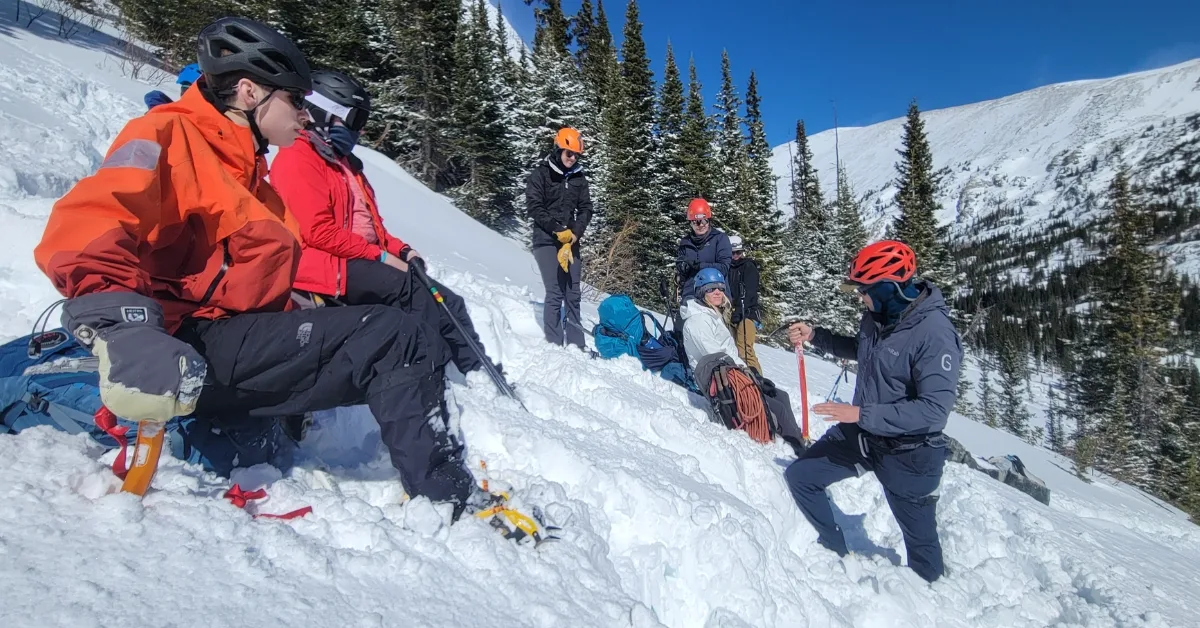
x=799 y=347
x=505 y=388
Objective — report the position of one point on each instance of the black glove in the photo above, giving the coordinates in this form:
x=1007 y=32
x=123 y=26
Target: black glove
x=145 y=373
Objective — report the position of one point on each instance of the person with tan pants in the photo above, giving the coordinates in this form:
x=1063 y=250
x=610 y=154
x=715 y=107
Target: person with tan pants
x=743 y=292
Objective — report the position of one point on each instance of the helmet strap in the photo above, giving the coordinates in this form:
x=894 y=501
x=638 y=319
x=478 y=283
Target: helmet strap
x=217 y=99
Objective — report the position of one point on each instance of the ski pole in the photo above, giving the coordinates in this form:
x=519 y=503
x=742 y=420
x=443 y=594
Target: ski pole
x=803 y=391
x=501 y=384
x=837 y=382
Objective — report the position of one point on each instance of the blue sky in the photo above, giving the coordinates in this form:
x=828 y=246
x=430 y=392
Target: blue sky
x=872 y=57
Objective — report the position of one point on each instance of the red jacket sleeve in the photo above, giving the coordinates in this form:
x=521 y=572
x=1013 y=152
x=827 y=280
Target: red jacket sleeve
x=298 y=174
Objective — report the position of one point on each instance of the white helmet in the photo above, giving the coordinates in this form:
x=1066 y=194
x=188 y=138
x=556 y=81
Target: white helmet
x=736 y=242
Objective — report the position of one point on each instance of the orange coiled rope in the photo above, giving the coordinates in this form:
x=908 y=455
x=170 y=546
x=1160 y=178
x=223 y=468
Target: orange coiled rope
x=749 y=405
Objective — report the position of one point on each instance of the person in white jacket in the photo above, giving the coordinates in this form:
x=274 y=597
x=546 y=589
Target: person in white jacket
x=708 y=339
x=704 y=330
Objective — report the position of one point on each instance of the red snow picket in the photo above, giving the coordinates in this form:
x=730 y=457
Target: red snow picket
x=803 y=391
x=239 y=498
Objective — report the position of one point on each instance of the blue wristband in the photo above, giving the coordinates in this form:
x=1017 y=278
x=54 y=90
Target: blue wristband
x=383 y=256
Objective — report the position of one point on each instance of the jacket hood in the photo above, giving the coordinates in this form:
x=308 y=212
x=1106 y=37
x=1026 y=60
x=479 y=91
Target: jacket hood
x=929 y=302
x=231 y=140
x=556 y=166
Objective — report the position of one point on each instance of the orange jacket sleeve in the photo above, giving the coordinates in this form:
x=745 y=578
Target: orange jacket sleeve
x=298 y=175
x=95 y=231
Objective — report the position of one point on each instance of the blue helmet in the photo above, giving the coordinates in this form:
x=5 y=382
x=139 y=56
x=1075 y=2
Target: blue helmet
x=706 y=278
x=189 y=74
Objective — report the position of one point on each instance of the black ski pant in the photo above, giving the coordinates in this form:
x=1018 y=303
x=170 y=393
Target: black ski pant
x=562 y=288
x=910 y=470
x=287 y=363
x=779 y=404
x=369 y=282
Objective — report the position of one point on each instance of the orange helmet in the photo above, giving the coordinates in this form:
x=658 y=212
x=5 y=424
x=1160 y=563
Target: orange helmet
x=699 y=208
x=569 y=139
x=886 y=260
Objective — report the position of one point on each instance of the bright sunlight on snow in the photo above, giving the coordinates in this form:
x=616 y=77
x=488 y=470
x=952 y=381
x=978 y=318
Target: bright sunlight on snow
x=668 y=519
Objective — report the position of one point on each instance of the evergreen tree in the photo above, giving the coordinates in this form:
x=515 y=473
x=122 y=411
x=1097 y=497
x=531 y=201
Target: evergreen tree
x=670 y=164
x=1056 y=436
x=962 y=402
x=552 y=27
x=807 y=199
x=763 y=229
x=815 y=261
x=1122 y=381
x=696 y=145
x=916 y=195
x=630 y=197
x=731 y=159
x=849 y=217
x=1014 y=416
x=1179 y=444
x=479 y=135
x=987 y=399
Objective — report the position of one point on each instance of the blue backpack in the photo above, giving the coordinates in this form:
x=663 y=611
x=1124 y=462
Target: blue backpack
x=625 y=330
x=63 y=392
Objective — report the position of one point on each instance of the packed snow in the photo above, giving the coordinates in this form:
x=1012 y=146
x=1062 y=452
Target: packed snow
x=668 y=519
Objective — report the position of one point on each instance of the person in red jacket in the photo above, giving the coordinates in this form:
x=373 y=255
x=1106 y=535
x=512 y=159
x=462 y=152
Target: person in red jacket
x=176 y=260
x=348 y=255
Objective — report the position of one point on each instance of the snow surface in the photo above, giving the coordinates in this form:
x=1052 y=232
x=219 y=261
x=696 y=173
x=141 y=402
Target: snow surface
x=1031 y=151
x=669 y=519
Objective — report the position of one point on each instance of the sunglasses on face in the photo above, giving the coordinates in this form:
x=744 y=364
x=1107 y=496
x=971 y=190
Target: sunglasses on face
x=700 y=222
x=714 y=288
x=295 y=97
x=570 y=154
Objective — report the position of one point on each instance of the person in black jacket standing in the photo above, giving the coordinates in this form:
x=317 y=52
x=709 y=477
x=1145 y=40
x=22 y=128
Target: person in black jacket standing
x=743 y=292
x=558 y=200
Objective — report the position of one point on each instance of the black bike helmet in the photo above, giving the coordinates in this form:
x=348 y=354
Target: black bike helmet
x=335 y=93
x=237 y=44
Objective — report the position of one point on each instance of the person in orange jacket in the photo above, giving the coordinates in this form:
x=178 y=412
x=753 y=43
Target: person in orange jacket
x=348 y=255
x=177 y=261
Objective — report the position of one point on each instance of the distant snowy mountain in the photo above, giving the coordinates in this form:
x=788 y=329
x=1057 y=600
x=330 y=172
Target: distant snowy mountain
x=515 y=43
x=1018 y=163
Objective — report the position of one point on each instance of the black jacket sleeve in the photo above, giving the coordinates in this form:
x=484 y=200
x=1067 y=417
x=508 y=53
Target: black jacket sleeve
x=844 y=347
x=683 y=266
x=750 y=291
x=583 y=213
x=535 y=203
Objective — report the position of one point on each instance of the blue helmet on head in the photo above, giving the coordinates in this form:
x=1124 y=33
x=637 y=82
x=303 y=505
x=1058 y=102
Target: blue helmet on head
x=707 y=279
x=189 y=74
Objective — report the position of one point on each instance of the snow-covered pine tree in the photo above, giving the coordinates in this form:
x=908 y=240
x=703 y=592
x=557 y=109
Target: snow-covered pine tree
x=962 y=400
x=510 y=169
x=1056 y=436
x=849 y=218
x=479 y=138
x=697 y=142
x=630 y=194
x=1014 y=416
x=552 y=26
x=765 y=230
x=988 y=412
x=815 y=270
x=917 y=186
x=1177 y=444
x=731 y=159
x=670 y=163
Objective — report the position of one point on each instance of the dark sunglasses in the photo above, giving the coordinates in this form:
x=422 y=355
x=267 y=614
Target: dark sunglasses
x=295 y=97
x=700 y=222
x=713 y=288
x=570 y=153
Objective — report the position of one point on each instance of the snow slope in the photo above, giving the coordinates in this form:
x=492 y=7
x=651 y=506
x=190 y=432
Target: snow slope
x=670 y=520
x=1041 y=152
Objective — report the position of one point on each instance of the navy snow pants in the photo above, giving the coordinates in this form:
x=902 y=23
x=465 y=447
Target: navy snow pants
x=910 y=470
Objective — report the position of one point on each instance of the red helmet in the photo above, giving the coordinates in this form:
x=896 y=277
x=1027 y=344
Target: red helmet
x=699 y=208
x=886 y=260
